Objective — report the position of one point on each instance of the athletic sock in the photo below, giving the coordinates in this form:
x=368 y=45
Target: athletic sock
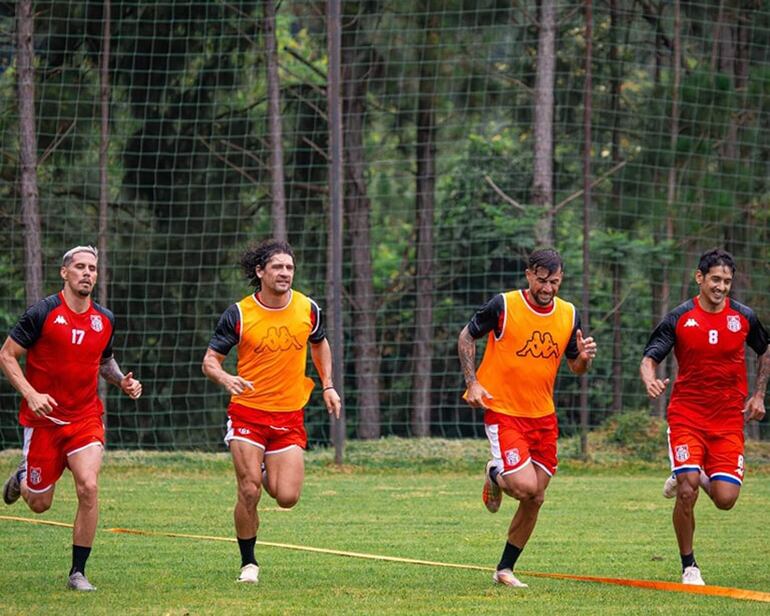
x=688 y=560
x=493 y=473
x=510 y=555
x=247 y=551
x=80 y=555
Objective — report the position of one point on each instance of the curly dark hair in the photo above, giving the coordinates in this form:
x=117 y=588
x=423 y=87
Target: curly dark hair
x=547 y=258
x=258 y=256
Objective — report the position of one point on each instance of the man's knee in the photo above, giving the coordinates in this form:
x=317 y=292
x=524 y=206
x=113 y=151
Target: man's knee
x=39 y=503
x=249 y=492
x=286 y=499
x=724 y=501
x=524 y=492
x=686 y=495
x=88 y=492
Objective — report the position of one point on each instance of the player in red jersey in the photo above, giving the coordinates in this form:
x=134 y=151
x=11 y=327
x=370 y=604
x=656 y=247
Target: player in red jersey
x=67 y=340
x=271 y=330
x=709 y=402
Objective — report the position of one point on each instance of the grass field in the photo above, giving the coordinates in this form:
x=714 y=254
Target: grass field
x=410 y=499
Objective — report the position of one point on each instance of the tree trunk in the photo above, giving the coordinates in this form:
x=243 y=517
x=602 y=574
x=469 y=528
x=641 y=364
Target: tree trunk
x=104 y=183
x=617 y=338
x=542 y=181
x=424 y=204
x=676 y=69
x=356 y=67
x=275 y=132
x=30 y=212
x=617 y=267
x=334 y=258
x=587 y=143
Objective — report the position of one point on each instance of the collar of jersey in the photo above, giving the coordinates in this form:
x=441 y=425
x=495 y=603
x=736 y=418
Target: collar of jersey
x=261 y=304
x=538 y=310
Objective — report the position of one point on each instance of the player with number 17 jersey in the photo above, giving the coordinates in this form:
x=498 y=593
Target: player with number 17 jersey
x=64 y=352
x=711 y=386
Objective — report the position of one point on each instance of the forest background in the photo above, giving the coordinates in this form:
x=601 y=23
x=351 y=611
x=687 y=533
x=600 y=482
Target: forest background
x=629 y=134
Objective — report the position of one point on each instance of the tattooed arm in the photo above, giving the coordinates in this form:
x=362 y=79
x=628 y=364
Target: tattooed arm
x=466 y=348
x=110 y=372
x=755 y=407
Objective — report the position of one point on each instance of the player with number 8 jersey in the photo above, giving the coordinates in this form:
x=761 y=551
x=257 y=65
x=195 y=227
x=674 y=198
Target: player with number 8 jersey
x=710 y=401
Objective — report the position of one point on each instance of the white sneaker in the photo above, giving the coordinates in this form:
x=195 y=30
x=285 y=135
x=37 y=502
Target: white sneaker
x=249 y=574
x=506 y=578
x=691 y=575
x=669 y=488
x=78 y=581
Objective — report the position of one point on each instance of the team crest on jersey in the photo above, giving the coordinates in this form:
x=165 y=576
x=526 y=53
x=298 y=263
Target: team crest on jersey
x=682 y=453
x=96 y=323
x=35 y=475
x=733 y=322
x=512 y=457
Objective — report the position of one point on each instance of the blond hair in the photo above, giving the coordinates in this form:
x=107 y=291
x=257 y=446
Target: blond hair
x=69 y=255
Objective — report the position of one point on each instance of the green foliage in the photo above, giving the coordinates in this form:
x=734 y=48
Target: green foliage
x=637 y=432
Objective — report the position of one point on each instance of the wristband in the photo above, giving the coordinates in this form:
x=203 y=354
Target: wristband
x=325 y=388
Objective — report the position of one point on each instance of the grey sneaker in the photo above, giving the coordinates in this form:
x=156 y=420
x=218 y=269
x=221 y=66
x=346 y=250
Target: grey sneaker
x=78 y=581
x=12 y=485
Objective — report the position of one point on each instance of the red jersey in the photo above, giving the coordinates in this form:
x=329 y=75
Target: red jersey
x=64 y=352
x=711 y=388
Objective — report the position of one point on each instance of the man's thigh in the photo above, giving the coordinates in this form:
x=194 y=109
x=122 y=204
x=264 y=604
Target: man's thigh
x=285 y=470
x=686 y=449
x=724 y=460
x=46 y=460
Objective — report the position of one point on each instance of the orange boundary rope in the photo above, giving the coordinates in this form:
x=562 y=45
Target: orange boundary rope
x=714 y=591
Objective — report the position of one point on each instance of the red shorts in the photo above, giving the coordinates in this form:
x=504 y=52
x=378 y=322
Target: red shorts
x=719 y=455
x=517 y=441
x=46 y=449
x=272 y=432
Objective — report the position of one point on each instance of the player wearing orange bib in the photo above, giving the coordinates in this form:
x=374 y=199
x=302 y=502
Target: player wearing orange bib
x=529 y=331
x=270 y=329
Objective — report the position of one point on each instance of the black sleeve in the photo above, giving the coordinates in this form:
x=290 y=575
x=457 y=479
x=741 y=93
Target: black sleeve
x=757 y=338
x=487 y=318
x=226 y=334
x=572 y=348
x=29 y=327
x=662 y=339
x=318 y=334
x=107 y=353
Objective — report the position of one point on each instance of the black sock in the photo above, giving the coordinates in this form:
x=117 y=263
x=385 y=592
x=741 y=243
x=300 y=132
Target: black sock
x=80 y=555
x=688 y=560
x=493 y=473
x=247 y=551
x=510 y=556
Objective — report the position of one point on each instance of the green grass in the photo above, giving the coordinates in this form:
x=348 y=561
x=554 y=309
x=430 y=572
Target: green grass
x=411 y=499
